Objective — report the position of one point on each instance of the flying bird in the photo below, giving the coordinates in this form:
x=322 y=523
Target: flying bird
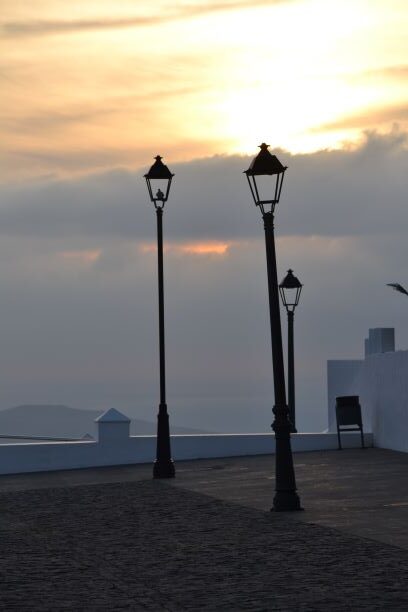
x=397 y=287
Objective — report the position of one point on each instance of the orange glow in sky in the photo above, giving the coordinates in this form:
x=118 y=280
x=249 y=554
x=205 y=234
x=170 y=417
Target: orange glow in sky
x=192 y=248
x=81 y=257
x=206 y=248
x=93 y=86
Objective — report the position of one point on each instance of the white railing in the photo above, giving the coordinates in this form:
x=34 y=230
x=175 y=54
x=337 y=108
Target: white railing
x=115 y=446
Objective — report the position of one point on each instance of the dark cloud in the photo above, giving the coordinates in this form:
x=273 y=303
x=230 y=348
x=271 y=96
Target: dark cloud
x=329 y=193
x=185 y=11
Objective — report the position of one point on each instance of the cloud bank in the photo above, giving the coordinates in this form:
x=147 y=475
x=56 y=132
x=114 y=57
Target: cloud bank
x=331 y=193
x=78 y=284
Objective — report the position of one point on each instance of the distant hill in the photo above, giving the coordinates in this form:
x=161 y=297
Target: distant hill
x=65 y=422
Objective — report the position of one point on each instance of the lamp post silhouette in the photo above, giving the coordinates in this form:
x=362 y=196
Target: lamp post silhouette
x=290 y=289
x=265 y=178
x=158 y=181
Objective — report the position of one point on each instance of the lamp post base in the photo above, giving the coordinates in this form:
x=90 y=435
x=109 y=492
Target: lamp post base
x=164 y=469
x=286 y=501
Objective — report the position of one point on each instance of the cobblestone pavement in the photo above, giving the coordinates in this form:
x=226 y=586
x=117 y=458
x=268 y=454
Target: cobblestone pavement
x=361 y=492
x=150 y=546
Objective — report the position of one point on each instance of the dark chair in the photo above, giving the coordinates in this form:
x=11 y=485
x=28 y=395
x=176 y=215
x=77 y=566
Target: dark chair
x=348 y=414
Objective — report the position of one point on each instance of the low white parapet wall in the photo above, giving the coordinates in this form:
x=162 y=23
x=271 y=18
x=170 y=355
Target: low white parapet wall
x=235 y=445
x=115 y=447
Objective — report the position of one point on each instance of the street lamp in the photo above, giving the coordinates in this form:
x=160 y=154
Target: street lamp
x=290 y=289
x=158 y=181
x=265 y=178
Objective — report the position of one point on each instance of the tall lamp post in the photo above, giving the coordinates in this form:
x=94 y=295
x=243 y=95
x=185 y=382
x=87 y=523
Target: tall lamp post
x=158 y=181
x=265 y=178
x=290 y=289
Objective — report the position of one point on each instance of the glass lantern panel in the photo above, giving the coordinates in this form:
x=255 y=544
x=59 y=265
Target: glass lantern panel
x=266 y=187
x=291 y=296
x=161 y=185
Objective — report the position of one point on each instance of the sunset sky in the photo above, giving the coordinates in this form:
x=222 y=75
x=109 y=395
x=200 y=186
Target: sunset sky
x=94 y=85
x=91 y=92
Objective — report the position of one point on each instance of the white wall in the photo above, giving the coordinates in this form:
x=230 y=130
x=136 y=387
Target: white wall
x=119 y=449
x=384 y=393
x=381 y=381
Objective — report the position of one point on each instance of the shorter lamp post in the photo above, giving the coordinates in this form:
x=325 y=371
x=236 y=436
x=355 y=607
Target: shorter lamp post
x=158 y=181
x=290 y=289
x=265 y=178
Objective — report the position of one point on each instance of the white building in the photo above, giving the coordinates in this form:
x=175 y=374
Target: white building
x=381 y=381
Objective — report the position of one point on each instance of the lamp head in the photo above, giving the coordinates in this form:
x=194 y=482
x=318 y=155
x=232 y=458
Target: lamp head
x=265 y=178
x=158 y=181
x=290 y=289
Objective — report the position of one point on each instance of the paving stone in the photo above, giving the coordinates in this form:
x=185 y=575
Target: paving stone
x=148 y=545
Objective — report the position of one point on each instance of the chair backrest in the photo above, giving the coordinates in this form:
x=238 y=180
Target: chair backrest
x=348 y=410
